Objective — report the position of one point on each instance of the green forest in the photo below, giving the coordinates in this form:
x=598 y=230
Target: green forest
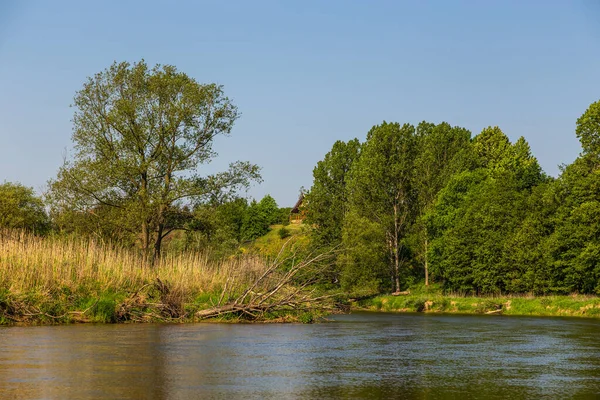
x=426 y=205
x=474 y=214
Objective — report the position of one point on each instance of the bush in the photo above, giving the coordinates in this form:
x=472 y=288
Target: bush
x=284 y=233
x=21 y=209
x=419 y=304
x=307 y=318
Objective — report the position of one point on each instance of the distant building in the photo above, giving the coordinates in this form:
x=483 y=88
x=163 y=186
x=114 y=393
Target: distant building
x=298 y=213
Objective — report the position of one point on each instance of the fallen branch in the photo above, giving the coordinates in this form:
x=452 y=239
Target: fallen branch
x=278 y=289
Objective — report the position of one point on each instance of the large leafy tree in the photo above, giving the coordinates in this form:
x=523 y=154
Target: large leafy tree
x=380 y=190
x=477 y=214
x=495 y=152
x=140 y=135
x=442 y=151
x=217 y=227
x=575 y=242
x=20 y=208
x=477 y=221
x=588 y=130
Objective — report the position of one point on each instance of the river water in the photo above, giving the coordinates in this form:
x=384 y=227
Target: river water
x=362 y=355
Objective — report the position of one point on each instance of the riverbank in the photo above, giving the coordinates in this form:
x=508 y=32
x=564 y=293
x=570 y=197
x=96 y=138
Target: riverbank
x=57 y=280
x=154 y=301
x=567 y=306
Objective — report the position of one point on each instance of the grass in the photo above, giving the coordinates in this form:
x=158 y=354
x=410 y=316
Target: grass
x=270 y=244
x=433 y=300
x=58 y=280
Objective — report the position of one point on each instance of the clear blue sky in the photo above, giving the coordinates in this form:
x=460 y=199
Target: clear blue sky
x=305 y=74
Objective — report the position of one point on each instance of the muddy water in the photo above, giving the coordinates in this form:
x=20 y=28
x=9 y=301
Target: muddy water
x=362 y=355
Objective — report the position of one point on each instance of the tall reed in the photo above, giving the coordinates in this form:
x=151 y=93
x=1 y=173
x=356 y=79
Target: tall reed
x=28 y=262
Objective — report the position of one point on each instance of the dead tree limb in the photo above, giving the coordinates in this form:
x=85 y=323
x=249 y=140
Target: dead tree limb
x=279 y=288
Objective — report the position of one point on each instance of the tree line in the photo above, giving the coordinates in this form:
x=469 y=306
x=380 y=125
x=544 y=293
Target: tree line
x=429 y=203
x=474 y=214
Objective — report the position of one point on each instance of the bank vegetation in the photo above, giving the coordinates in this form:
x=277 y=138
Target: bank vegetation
x=56 y=280
x=434 y=300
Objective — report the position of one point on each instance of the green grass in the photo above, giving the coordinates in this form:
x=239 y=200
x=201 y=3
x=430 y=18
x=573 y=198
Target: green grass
x=434 y=301
x=270 y=244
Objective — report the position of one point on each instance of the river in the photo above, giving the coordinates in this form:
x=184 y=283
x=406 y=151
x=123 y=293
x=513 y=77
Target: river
x=361 y=355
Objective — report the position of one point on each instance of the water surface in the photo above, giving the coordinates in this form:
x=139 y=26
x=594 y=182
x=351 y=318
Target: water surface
x=362 y=355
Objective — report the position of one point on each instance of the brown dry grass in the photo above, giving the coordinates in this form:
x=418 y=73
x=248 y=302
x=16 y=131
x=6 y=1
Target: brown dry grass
x=30 y=263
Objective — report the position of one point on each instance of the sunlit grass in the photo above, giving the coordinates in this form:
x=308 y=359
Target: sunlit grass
x=433 y=300
x=53 y=276
x=28 y=262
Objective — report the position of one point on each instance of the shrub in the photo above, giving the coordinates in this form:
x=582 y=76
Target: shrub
x=284 y=233
x=307 y=318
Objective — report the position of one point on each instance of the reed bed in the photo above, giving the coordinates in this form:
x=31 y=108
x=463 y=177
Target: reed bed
x=42 y=278
x=28 y=262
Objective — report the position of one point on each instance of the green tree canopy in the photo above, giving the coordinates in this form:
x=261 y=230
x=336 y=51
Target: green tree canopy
x=442 y=151
x=258 y=217
x=140 y=135
x=21 y=209
x=495 y=152
x=380 y=190
x=327 y=200
x=217 y=227
x=588 y=129
x=477 y=221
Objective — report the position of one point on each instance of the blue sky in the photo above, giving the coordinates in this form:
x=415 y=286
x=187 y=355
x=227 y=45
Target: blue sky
x=305 y=74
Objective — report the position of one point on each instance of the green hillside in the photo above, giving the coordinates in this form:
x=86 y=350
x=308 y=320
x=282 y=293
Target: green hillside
x=271 y=243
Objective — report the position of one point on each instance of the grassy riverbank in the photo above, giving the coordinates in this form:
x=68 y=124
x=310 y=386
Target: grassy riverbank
x=58 y=280
x=436 y=302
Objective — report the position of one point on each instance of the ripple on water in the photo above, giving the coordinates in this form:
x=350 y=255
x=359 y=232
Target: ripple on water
x=363 y=355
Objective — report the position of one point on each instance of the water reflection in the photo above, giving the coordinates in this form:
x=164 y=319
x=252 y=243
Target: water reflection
x=83 y=361
x=357 y=356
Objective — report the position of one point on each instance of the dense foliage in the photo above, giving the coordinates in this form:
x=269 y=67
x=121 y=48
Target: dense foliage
x=21 y=209
x=475 y=214
x=140 y=136
x=411 y=204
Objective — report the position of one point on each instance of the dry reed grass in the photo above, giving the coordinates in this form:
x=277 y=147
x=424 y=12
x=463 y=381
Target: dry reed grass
x=31 y=263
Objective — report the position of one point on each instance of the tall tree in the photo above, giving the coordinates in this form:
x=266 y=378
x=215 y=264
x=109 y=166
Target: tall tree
x=327 y=200
x=140 y=135
x=380 y=188
x=588 y=130
x=494 y=152
x=258 y=217
x=479 y=215
x=442 y=151
x=575 y=242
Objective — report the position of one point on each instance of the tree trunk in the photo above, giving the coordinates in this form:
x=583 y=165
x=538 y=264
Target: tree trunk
x=159 y=233
x=158 y=243
x=145 y=240
x=396 y=251
x=426 y=264
x=143 y=193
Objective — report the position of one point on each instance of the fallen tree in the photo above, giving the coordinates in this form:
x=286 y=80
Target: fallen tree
x=47 y=281
x=287 y=284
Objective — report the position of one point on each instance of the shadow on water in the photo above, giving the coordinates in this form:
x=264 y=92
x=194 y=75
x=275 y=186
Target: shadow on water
x=362 y=355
